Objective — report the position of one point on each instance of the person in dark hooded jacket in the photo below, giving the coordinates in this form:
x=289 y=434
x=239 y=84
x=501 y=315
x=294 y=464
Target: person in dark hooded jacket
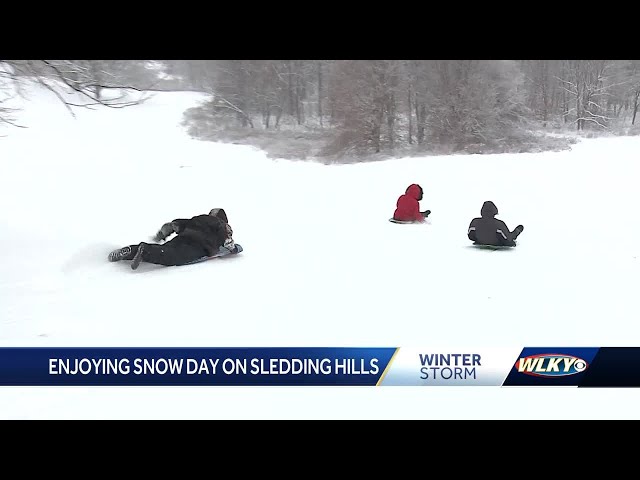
x=488 y=230
x=196 y=237
x=408 y=206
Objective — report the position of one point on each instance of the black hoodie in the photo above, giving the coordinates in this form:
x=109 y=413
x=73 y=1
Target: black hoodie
x=206 y=231
x=487 y=230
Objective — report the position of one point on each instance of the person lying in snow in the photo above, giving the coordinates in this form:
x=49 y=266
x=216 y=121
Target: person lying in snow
x=196 y=237
x=408 y=206
x=487 y=230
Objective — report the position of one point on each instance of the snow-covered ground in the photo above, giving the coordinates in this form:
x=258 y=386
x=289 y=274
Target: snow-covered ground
x=322 y=266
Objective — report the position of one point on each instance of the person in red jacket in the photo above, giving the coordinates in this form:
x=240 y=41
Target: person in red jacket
x=408 y=206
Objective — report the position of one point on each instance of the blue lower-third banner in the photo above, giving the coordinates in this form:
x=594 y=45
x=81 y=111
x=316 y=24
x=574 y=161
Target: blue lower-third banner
x=321 y=366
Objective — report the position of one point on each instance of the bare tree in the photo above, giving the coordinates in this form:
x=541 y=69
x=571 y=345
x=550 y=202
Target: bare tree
x=88 y=78
x=232 y=88
x=416 y=84
x=474 y=102
x=541 y=87
x=633 y=69
x=586 y=82
x=320 y=91
x=9 y=87
x=361 y=95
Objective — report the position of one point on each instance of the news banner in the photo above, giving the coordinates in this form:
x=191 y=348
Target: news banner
x=321 y=366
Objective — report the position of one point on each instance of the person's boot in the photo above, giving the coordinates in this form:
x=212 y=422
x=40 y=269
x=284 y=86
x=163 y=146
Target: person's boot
x=426 y=213
x=124 y=253
x=517 y=231
x=138 y=256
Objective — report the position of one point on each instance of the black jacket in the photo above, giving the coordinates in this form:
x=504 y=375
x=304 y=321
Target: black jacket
x=487 y=230
x=206 y=231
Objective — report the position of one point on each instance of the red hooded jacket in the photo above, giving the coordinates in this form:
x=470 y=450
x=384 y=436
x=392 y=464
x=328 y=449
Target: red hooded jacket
x=408 y=206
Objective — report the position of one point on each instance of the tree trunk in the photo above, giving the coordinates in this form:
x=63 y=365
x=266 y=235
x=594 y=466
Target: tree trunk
x=320 y=92
x=290 y=111
x=421 y=113
x=378 y=115
x=579 y=112
x=298 y=109
x=565 y=98
x=278 y=116
x=410 y=115
x=391 y=113
x=545 y=100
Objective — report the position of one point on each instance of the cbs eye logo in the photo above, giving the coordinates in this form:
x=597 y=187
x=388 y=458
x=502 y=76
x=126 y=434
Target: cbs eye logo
x=580 y=365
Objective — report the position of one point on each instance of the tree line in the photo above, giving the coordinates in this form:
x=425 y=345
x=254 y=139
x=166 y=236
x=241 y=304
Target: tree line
x=375 y=105
x=369 y=106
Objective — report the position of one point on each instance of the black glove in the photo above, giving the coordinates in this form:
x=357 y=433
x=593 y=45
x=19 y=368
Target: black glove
x=166 y=230
x=426 y=213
